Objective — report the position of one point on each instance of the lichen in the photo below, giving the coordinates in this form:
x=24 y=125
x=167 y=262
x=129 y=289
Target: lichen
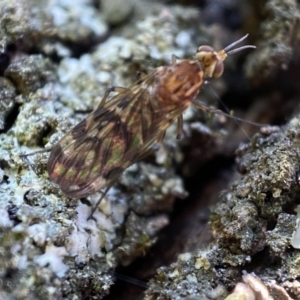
x=57 y=60
x=7 y=96
x=279 y=39
x=46 y=236
x=241 y=225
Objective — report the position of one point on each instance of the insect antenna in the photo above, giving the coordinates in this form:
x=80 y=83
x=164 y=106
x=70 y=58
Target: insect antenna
x=99 y=201
x=33 y=153
x=179 y=127
x=212 y=64
x=236 y=119
x=230 y=52
x=218 y=111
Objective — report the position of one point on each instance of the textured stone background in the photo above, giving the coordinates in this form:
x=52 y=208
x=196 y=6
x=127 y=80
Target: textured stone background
x=197 y=218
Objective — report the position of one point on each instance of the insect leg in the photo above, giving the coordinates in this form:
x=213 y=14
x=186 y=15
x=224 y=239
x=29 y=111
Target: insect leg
x=211 y=110
x=179 y=127
x=143 y=155
x=159 y=140
x=218 y=111
x=202 y=107
x=118 y=89
x=32 y=153
x=99 y=201
x=36 y=152
x=140 y=75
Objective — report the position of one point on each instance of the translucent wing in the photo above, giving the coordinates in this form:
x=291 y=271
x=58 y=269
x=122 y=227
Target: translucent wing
x=97 y=150
x=118 y=133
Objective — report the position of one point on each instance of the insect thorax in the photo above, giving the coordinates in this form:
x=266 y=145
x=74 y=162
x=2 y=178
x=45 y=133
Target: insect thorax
x=179 y=83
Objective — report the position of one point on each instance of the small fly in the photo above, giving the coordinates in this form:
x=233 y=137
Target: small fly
x=120 y=132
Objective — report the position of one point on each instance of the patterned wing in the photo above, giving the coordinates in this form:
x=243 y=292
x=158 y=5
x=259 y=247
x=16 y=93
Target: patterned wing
x=97 y=150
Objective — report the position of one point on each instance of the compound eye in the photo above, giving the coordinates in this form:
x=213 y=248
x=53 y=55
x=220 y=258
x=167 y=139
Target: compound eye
x=219 y=68
x=205 y=48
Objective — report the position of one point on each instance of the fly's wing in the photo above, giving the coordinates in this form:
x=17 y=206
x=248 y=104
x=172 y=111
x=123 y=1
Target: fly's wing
x=97 y=150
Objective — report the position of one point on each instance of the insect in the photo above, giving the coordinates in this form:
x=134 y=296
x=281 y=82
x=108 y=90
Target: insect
x=120 y=132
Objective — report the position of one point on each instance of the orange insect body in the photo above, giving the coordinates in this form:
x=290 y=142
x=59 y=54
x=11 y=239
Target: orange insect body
x=120 y=131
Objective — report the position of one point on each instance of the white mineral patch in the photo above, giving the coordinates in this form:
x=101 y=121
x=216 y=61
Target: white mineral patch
x=54 y=258
x=185 y=256
x=188 y=114
x=192 y=278
x=109 y=51
x=59 y=15
x=13 y=191
x=64 y=12
x=38 y=232
x=90 y=237
x=154 y=224
x=173 y=274
x=154 y=52
x=126 y=51
x=295 y=241
x=132 y=168
x=173 y=185
x=183 y=39
x=115 y=208
x=116 y=11
x=79 y=239
x=104 y=77
x=104 y=222
x=77 y=245
x=86 y=64
x=161 y=155
x=202 y=262
x=19 y=261
x=201 y=128
x=70 y=68
x=4 y=219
